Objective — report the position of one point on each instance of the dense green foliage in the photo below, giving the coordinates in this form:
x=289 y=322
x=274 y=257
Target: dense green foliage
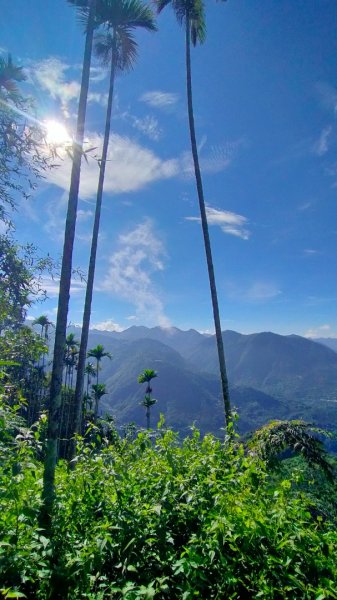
x=152 y=517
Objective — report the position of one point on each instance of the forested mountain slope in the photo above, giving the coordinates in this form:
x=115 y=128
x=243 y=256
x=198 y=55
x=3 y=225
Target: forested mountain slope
x=270 y=375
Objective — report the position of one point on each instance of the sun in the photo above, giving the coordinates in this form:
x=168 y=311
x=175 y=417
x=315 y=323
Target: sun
x=56 y=133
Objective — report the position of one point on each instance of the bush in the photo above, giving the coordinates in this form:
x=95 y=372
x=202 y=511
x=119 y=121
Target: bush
x=155 y=518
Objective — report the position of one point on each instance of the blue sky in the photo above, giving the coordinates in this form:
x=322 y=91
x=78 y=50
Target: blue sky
x=265 y=101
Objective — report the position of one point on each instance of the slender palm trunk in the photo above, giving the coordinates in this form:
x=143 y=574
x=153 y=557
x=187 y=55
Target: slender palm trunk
x=96 y=409
x=215 y=304
x=97 y=370
x=48 y=492
x=148 y=417
x=92 y=263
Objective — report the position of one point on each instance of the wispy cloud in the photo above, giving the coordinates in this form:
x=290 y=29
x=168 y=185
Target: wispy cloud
x=97 y=73
x=321 y=147
x=159 y=99
x=258 y=291
x=139 y=255
x=310 y=252
x=84 y=215
x=130 y=167
x=305 y=206
x=54 y=76
x=213 y=160
x=54 y=215
x=98 y=97
x=148 y=125
x=262 y=291
x=328 y=95
x=229 y=222
x=52 y=285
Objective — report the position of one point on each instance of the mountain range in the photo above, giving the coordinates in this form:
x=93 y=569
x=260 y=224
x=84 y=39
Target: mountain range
x=271 y=377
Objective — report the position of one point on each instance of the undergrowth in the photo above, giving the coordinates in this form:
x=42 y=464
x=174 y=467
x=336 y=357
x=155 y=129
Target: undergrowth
x=152 y=517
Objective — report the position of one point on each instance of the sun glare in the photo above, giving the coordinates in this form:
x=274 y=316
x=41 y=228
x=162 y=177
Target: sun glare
x=56 y=133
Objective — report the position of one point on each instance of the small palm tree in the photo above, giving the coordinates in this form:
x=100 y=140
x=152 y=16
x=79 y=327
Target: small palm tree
x=191 y=14
x=70 y=354
x=98 y=353
x=99 y=390
x=90 y=372
x=146 y=377
x=44 y=323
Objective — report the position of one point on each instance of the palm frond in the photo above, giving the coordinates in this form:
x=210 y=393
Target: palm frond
x=10 y=75
x=103 y=48
x=127 y=51
x=161 y=4
x=197 y=22
x=271 y=440
x=83 y=9
x=129 y=13
x=194 y=10
x=121 y=18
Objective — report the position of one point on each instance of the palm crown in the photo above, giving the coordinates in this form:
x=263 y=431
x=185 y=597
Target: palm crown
x=121 y=17
x=193 y=10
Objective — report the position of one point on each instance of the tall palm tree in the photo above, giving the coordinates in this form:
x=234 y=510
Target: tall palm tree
x=90 y=372
x=146 y=377
x=117 y=48
x=191 y=14
x=98 y=353
x=65 y=278
x=44 y=323
x=70 y=352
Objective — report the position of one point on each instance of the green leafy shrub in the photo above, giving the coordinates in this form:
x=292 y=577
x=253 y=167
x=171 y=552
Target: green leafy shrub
x=153 y=517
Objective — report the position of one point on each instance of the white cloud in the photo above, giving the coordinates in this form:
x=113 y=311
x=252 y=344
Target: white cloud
x=159 y=99
x=130 y=167
x=311 y=252
x=321 y=147
x=50 y=75
x=229 y=222
x=139 y=255
x=108 y=325
x=321 y=331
